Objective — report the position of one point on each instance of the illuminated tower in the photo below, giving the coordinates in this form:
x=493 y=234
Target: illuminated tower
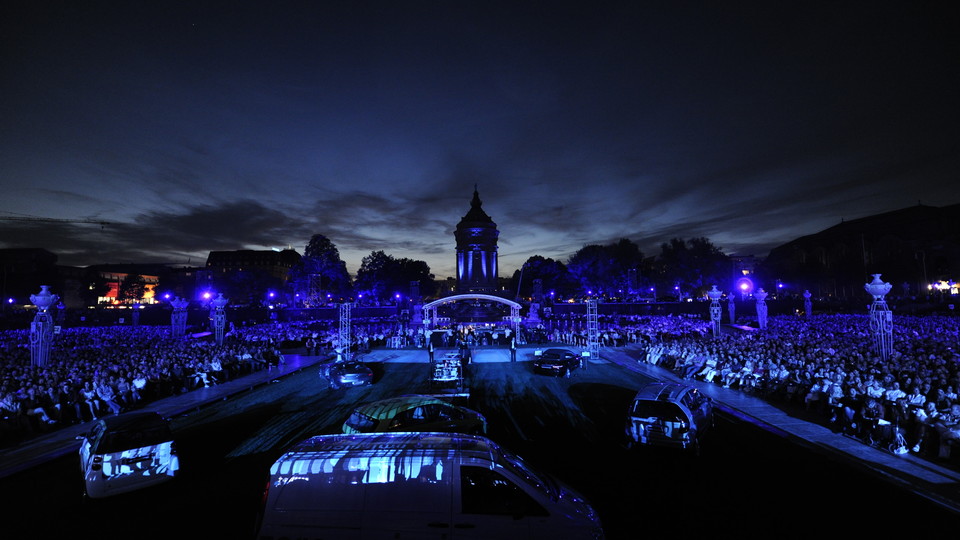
x=476 y=250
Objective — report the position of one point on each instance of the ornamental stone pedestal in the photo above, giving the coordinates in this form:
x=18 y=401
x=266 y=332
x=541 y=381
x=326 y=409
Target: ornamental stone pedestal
x=219 y=317
x=41 y=329
x=881 y=318
x=178 y=320
x=761 y=296
x=714 y=295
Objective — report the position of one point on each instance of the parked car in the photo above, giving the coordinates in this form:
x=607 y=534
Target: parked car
x=670 y=415
x=348 y=373
x=127 y=451
x=414 y=412
x=557 y=362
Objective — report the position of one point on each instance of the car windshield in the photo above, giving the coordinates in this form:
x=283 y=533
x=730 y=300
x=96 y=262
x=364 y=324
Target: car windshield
x=657 y=410
x=119 y=441
x=520 y=468
x=361 y=422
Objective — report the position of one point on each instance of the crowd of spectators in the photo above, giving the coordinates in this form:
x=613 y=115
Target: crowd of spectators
x=825 y=365
x=828 y=366
x=96 y=371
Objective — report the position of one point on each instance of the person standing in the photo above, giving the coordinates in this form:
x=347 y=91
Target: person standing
x=513 y=349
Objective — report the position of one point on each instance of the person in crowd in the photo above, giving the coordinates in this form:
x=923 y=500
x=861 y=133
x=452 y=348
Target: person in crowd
x=91 y=400
x=124 y=391
x=107 y=395
x=947 y=427
x=50 y=401
x=71 y=404
x=814 y=399
x=922 y=436
x=869 y=421
x=12 y=419
x=34 y=409
x=139 y=387
x=216 y=370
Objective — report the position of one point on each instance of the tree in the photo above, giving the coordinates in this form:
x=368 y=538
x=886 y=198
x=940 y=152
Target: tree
x=321 y=270
x=553 y=275
x=381 y=276
x=131 y=289
x=693 y=265
x=605 y=269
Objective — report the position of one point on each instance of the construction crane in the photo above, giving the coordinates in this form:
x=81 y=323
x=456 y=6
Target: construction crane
x=54 y=220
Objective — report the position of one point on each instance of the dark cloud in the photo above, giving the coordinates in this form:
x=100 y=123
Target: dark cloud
x=203 y=126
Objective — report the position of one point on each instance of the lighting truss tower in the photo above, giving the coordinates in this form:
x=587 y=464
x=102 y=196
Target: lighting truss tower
x=343 y=341
x=315 y=290
x=593 y=329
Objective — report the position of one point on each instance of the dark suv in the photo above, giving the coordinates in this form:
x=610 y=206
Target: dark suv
x=669 y=414
x=558 y=362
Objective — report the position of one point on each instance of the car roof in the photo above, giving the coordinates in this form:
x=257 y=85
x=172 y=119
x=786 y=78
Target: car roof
x=663 y=391
x=387 y=408
x=129 y=420
x=360 y=445
x=559 y=351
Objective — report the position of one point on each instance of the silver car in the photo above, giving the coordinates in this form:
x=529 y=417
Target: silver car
x=125 y=452
x=414 y=412
x=669 y=414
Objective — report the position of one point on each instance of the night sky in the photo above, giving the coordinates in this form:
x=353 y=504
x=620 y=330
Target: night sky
x=199 y=126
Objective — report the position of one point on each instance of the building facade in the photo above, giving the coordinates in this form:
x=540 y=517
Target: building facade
x=476 y=236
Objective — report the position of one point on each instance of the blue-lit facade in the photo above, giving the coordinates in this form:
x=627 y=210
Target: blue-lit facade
x=476 y=250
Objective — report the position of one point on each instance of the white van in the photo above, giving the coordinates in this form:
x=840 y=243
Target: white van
x=416 y=485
